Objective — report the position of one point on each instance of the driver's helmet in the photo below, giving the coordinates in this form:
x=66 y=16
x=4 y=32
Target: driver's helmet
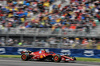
x=44 y=50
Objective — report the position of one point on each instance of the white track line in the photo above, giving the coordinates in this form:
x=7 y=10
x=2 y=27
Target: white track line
x=36 y=62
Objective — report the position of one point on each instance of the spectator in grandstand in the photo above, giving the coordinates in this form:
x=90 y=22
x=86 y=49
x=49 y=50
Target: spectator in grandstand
x=77 y=41
x=25 y=43
x=84 y=43
x=71 y=42
x=98 y=46
x=16 y=42
x=52 y=42
x=65 y=41
x=94 y=43
x=2 y=43
x=9 y=42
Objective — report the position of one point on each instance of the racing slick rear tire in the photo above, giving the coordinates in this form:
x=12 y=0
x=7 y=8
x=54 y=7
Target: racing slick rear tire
x=57 y=58
x=25 y=57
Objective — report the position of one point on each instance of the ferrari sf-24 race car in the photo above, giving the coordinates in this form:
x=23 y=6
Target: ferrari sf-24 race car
x=42 y=55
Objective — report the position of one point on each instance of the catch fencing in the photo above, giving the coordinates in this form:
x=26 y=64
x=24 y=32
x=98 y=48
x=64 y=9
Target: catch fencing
x=50 y=32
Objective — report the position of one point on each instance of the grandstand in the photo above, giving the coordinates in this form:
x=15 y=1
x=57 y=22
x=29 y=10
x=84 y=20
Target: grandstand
x=50 y=23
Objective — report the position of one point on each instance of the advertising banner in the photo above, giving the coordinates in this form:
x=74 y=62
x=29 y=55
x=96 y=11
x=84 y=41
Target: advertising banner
x=90 y=53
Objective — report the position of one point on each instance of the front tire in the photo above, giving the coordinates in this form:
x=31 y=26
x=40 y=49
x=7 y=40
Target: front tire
x=57 y=58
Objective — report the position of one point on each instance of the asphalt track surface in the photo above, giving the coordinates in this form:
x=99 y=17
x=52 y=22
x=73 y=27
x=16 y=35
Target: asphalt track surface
x=19 y=62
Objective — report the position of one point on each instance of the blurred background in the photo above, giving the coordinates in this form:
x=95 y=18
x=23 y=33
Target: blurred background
x=70 y=24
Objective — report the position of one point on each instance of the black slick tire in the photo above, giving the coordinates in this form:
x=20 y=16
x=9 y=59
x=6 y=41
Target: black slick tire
x=57 y=58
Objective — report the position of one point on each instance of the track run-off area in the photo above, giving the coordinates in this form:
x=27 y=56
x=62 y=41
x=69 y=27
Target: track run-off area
x=19 y=62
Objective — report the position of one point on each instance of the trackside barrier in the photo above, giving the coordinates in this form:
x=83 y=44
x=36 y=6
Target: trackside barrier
x=91 y=53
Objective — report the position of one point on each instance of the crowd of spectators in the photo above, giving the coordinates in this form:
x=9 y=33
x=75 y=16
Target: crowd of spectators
x=83 y=43
x=53 y=42
x=78 y=43
x=79 y=14
x=14 y=42
x=15 y=12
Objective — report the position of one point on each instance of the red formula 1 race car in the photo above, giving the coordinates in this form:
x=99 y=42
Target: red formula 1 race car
x=42 y=55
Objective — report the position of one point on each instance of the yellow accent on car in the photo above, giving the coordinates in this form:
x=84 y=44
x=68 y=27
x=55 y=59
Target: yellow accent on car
x=53 y=55
x=44 y=56
x=41 y=56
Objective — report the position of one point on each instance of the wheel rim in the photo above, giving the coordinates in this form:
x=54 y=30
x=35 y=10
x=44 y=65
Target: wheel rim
x=23 y=57
x=56 y=58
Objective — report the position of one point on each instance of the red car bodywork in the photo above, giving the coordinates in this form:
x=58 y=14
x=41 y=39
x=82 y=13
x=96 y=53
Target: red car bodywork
x=42 y=55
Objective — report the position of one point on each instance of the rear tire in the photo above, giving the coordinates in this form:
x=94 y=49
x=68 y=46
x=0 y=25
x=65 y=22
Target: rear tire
x=57 y=58
x=25 y=57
